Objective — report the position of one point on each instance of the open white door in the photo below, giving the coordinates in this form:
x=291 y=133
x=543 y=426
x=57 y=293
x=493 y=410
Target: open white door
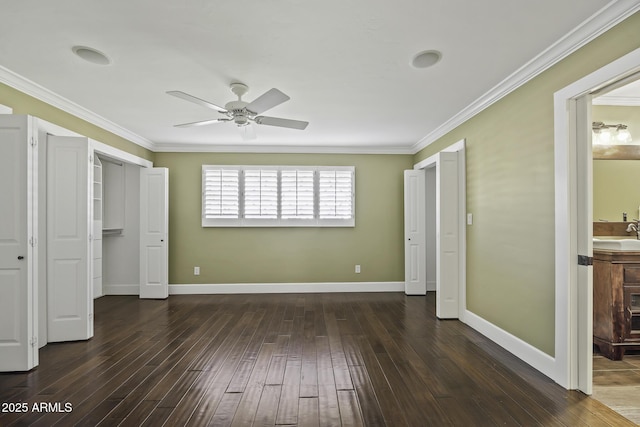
x=154 y=232
x=447 y=236
x=415 y=277
x=580 y=110
x=69 y=279
x=18 y=263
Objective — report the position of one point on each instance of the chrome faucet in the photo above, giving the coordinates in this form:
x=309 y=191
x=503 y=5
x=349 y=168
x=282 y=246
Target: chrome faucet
x=634 y=227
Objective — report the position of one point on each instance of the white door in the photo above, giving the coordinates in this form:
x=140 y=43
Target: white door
x=415 y=278
x=447 y=236
x=581 y=110
x=18 y=257
x=69 y=279
x=154 y=233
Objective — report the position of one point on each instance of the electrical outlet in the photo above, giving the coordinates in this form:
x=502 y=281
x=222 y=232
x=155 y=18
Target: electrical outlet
x=469 y=219
x=196 y=271
x=357 y=268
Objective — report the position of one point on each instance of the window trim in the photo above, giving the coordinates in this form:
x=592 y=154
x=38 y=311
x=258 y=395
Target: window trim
x=279 y=222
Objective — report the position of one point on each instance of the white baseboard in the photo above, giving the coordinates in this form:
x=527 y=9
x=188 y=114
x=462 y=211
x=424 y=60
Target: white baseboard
x=121 y=289
x=529 y=354
x=280 y=288
x=263 y=288
x=431 y=285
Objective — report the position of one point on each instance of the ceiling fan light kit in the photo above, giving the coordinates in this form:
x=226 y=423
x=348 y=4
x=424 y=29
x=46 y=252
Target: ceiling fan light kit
x=243 y=113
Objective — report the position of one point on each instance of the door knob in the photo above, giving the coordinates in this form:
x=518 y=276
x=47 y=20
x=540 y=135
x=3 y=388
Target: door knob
x=20 y=257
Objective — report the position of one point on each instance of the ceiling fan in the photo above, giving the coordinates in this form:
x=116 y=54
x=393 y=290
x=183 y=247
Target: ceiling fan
x=244 y=113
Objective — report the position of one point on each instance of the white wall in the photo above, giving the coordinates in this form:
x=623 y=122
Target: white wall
x=121 y=252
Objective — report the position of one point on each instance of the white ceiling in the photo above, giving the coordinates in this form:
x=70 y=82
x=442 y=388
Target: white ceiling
x=627 y=95
x=345 y=64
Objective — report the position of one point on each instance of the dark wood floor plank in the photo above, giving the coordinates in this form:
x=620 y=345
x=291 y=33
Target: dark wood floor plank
x=350 y=415
x=250 y=357
x=288 y=405
x=207 y=405
x=226 y=411
x=252 y=392
x=371 y=412
x=324 y=363
x=328 y=408
x=328 y=360
x=391 y=410
x=137 y=416
x=351 y=350
x=275 y=373
x=309 y=372
x=338 y=360
x=268 y=406
x=308 y=415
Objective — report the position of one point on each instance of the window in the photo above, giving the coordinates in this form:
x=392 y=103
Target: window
x=278 y=196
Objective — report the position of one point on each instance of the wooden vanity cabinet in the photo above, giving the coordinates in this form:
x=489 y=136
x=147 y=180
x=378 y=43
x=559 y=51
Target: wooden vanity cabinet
x=616 y=302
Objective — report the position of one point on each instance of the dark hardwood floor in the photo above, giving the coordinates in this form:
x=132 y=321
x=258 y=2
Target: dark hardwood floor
x=293 y=360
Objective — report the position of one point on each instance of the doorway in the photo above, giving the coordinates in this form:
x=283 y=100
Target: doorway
x=435 y=230
x=615 y=115
x=573 y=233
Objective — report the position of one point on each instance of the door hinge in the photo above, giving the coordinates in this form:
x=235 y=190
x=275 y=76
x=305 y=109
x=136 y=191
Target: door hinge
x=33 y=341
x=34 y=142
x=32 y=241
x=90 y=158
x=585 y=260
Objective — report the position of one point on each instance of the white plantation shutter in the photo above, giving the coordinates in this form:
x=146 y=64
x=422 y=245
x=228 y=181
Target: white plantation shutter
x=297 y=189
x=261 y=193
x=221 y=193
x=278 y=196
x=335 y=194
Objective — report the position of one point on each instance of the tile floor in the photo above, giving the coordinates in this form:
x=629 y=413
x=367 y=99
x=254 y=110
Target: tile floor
x=617 y=384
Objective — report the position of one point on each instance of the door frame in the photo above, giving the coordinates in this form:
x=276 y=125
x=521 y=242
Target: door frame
x=568 y=191
x=460 y=148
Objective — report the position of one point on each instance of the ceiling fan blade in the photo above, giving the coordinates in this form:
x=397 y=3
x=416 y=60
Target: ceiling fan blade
x=195 y=100
x=267 y=100
x=201 y=123
x=283 y=123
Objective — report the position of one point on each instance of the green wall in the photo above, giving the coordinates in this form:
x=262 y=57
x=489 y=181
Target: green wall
x=510 y=191
x=25 y=104
x=616 y=189
x=288 y=255
x=616 y=183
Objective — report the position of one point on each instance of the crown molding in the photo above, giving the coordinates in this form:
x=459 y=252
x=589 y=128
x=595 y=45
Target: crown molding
x=603 y=20
x=43 y=94
x=279 y=149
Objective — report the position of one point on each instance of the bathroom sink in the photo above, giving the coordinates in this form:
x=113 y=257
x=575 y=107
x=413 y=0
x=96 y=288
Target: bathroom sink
x=619 y=244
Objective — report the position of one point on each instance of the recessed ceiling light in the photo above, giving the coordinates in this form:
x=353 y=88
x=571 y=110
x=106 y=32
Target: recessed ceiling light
x=92 y=55
x=426 y=59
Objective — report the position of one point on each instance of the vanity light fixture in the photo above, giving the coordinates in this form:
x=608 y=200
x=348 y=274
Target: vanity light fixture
x=604 y=134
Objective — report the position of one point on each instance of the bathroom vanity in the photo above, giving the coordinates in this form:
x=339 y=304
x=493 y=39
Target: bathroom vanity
x=616 y=300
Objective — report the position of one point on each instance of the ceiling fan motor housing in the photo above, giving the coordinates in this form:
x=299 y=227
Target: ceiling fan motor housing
x=239 y=113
